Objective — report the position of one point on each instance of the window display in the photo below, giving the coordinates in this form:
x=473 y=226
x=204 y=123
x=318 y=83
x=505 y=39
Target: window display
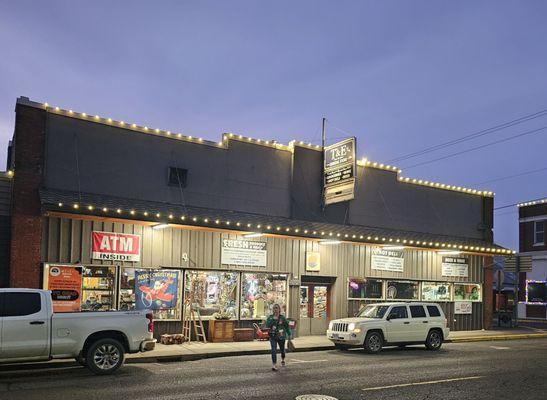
x=154 y=289
x=98 y=288
x=402 y=290
x=364 y=289
x=467 y=292
x=434 y=291
x=536 y=292
x=320 y=302
x=260 y=291
x=304 y=301
x=213 y=293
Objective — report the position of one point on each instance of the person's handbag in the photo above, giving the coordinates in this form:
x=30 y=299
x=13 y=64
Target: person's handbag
x=290 y=346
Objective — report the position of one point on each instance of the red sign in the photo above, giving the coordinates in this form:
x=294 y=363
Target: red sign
x=65 y=283
x=116 y=246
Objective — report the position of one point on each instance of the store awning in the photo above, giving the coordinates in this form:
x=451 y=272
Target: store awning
x=167 y=213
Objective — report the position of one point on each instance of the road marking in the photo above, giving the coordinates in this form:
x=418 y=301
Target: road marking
x=423 y=383
x=295 y=361
x=500 y=347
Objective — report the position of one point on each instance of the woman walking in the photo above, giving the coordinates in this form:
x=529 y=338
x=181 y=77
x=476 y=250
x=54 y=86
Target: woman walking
x=279 y=331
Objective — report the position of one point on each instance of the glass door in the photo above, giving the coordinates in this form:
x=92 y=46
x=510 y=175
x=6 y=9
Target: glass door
x=314 y=309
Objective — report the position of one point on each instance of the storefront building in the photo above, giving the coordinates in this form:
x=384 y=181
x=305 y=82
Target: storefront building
x=532 y=260
x=112 y=215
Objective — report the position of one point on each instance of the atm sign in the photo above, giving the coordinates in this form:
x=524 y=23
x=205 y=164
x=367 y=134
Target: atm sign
x=116 y=246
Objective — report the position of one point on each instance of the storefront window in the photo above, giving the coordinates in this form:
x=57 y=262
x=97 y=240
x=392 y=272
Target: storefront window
x=467 y=292
x=304 y=301
x=364 y=289
x=260 y=292
x=433 y=291
x=212 y=293
x=98 y=288
x=153 y=289
x=402 y=290
x=536 y=292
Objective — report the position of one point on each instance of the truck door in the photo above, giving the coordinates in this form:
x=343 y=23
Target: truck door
x=25 y=325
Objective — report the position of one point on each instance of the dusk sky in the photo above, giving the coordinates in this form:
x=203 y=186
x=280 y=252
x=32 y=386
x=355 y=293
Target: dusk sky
x=399 y=75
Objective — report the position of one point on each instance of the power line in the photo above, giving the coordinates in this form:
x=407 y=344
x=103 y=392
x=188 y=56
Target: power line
x=471 y=136
x=477 y=147
x=516 y=204
x=511 y=176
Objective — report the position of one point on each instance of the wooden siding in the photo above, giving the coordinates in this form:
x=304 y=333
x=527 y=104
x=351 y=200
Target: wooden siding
x=69 y=240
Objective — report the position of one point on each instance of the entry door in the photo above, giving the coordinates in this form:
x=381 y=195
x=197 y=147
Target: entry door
x=314 y=309
x=25 y=326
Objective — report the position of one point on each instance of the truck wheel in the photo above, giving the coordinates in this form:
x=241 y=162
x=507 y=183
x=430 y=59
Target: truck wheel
x=434 y=340
x=373 y=342
x=341 y=347
x=104 y=356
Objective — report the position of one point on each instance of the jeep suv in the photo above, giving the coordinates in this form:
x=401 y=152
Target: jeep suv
x=391 y=324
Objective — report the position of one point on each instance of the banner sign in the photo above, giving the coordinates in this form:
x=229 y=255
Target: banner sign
x=339 y=171
x=455 y=266
x=463 y=307
x=65 y=283
x=243 y=252
x=387 y=260
x=313 y=261
x=116 y=246
x=156 y=290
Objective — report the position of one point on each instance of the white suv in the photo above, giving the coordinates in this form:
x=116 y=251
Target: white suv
x=391 y=324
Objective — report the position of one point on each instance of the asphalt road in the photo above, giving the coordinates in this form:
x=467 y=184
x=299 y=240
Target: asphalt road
x=514 y=369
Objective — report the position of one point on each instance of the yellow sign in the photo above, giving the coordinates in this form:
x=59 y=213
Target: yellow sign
x=313 y=261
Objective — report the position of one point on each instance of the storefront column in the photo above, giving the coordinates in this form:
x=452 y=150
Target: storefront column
x=488 y=292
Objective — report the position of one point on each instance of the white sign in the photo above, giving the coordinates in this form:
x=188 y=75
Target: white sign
x=455 y=266
x=463 y=307
x=115 y=246
x=387 y=260
x=243 y=252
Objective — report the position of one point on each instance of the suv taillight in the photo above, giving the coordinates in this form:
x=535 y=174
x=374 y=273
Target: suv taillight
x=150 y=318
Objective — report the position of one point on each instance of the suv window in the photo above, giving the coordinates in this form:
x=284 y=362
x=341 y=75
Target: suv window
x=398 y=312
x=417 y=311
x=17 y=304
x=433 y=311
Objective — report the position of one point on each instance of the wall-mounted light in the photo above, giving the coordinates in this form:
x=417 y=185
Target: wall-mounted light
x=393 y=247
x=328 y=242
x=449 y=252
x=160 y=226
x=253 y=235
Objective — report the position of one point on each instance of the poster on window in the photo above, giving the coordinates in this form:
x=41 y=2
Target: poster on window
x=156 y=290
x=455 y=266
x=115 y=246
x=387 y=260
x=65 y=283
x=243 y=252
x=463 y=307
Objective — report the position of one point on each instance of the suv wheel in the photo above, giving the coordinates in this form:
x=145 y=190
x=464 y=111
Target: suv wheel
x=373 y=342
x=105 y=356
x=434 y=340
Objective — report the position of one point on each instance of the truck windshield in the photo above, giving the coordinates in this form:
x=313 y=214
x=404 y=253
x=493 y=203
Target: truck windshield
x=372 y=311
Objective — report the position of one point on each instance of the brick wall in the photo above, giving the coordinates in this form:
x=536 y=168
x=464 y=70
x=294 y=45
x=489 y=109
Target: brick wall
x=26 y=227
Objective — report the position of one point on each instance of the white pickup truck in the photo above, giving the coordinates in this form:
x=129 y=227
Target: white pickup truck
x=30 y=331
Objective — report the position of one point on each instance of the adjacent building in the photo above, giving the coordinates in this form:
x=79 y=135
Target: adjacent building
x=532 y=245
x=112 y=215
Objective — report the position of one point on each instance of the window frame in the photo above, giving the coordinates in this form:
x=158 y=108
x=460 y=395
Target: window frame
x=436 y=307
x=398 y=306
x=418 y=293
x=382 y=295
x=450 y=291
x=3 y=303
x=241 y=294
x=537 y=231
x=479 y=285
x=417 y=305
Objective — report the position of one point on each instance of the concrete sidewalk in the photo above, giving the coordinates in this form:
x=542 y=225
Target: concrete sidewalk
x=195 y=350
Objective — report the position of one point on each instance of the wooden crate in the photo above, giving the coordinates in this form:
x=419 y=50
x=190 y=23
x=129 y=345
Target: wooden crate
x=244 y=334
x=221 y=330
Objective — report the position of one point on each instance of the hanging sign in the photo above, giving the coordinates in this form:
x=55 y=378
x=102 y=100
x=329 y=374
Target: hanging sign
x=243 y=252
x=313 y=261
x=65 y=283
x=463 y=307
x=339 y=171
x=455 y=266
x=387 y=260
x=156 y=290
x=116 y=246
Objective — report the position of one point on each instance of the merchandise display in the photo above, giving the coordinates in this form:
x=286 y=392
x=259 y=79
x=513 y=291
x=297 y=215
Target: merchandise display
x=214 y=293
x=320 y=302
x=467 y=292
x=434 y=291
x=260 y=292
x=402 y=290
x=98 y=288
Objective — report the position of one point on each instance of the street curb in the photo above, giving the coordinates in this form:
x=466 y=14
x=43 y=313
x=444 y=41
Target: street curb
x=497 y=337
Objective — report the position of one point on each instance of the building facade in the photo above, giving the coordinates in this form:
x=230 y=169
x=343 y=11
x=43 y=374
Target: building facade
x=112 y=215
x=532 y=245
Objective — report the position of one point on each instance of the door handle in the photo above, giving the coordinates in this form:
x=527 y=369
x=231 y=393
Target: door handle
x=37 y=323
x=406 y=323
x=425 y=322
